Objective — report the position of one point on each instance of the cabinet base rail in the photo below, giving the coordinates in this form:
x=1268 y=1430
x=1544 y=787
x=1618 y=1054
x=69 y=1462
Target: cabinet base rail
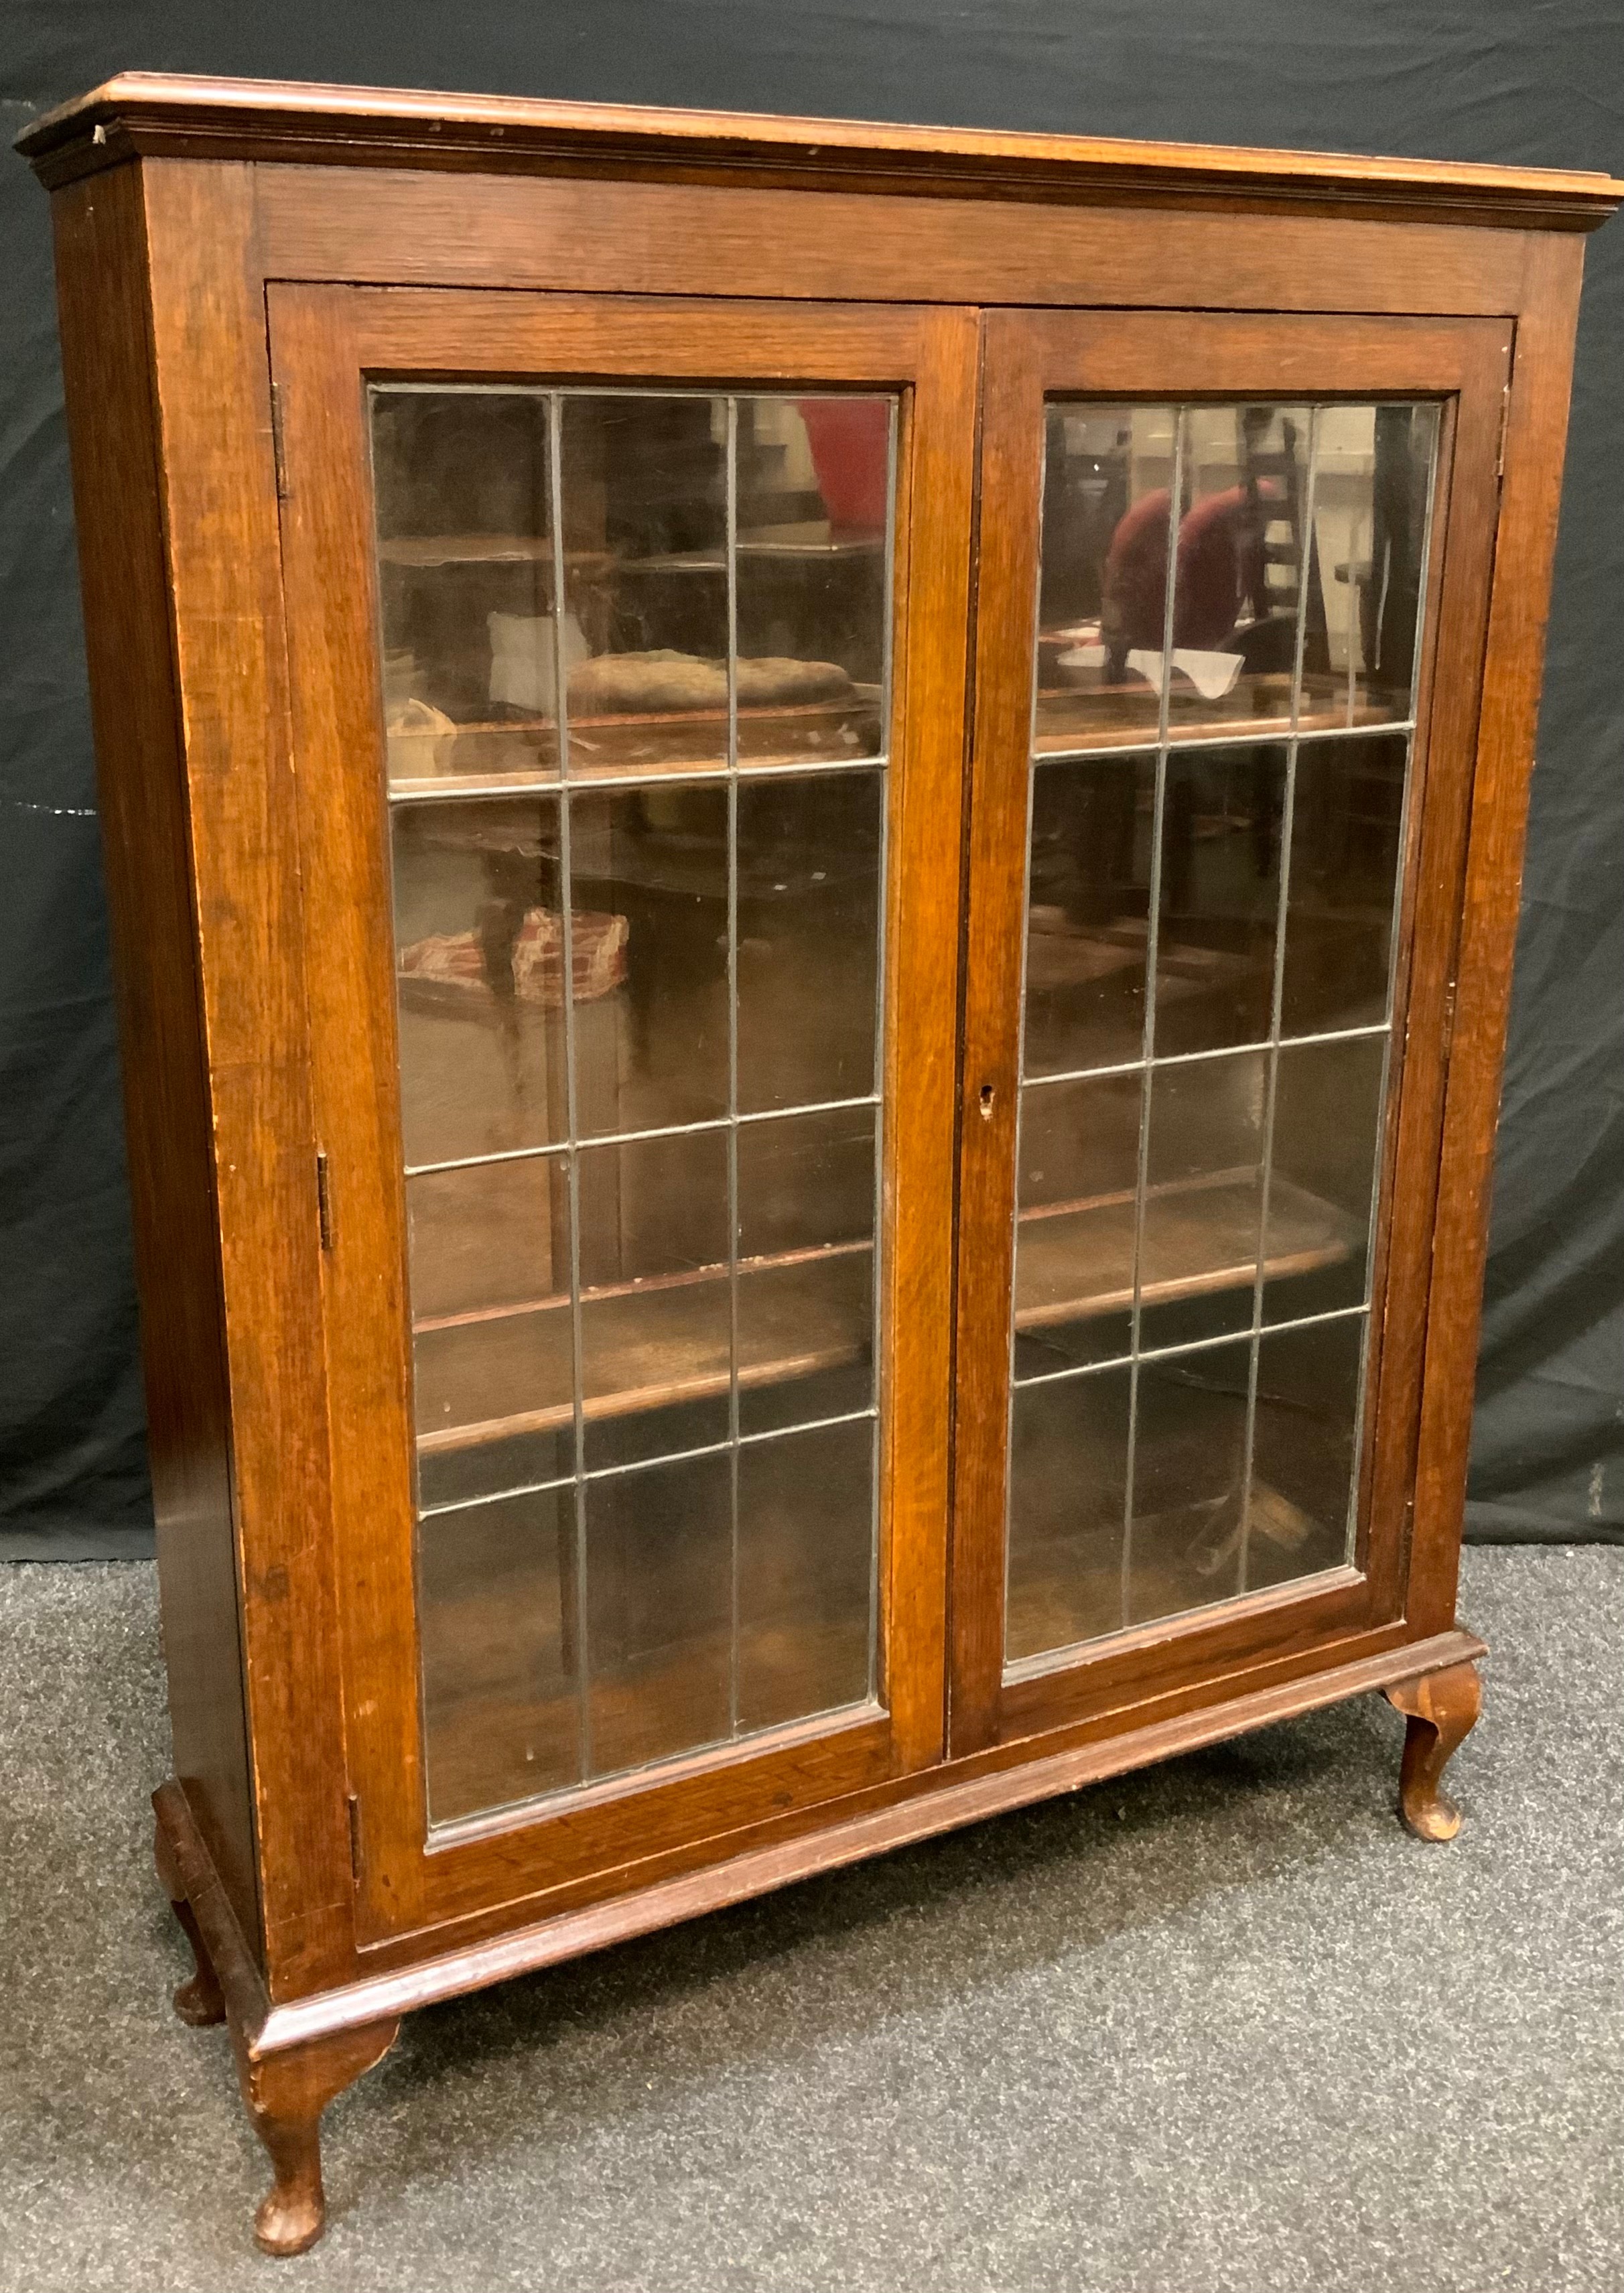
x=296 y=2056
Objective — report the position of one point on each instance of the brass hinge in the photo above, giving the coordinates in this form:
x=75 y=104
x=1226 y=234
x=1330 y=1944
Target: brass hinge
x=355 y=1839
x=1499 y=451
x=324 y=1200
x=276 y=441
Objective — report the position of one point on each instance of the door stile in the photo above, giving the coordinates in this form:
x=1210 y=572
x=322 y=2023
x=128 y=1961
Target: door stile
x=1006 y=614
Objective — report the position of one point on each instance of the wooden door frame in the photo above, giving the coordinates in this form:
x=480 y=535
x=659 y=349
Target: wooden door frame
x=325 y=342
x=1032 y=357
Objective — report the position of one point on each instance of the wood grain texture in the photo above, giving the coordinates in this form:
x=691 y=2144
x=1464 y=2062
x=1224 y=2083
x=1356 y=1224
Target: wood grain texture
x=198 y=2001
x=1152 y=355
x=613 y=237
x=1534 y=443
x=973 y=274
x=194 y=116
x=1442 y=1708
x=1006 y=625
x=148 y=858
x=219 y=505
x=923 y=1807
x=1449 y=714
x=284 y=2094
x=322 y=342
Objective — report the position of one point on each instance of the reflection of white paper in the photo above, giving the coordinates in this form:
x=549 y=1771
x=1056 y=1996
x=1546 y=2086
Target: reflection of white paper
x=1091 y=656
x=1212 y=674
x=523 y=669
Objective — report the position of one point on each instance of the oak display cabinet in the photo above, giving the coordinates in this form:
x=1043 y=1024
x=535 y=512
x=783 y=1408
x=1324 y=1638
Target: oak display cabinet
x=813 y=833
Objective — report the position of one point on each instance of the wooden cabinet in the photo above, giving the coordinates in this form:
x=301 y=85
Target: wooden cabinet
x=814 y=834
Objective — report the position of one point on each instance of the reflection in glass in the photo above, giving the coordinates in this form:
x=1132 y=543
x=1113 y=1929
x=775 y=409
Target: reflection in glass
x=497 y=1639
x=814 y=490
x=1294 y=536
x=805 y=1297
x=1107 y=523
x=808 y=953
x=805 y=1573
x=1372 y=487
x=647 y=640
x=1219 y=897
x=659 y=1612
x=638 y=1038
x=1347 y=823
x=656 y=1348
x=1246 y=588
x=1188 y=1481
x=488 y=1251
x=1087 y=904
x=1231 y=594
x=1074 y=1238
x=1327 y=1136
x=478 y=962
x=1203 y=1195
x=1068 y=1468
x=655 y=862
x=1299 y=1517
x=465 y=577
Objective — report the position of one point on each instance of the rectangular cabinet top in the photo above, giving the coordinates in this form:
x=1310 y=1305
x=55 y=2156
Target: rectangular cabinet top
x=182 y=115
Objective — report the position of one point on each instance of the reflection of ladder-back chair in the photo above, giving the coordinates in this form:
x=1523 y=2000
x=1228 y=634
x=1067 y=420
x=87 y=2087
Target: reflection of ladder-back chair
x=1276 y=564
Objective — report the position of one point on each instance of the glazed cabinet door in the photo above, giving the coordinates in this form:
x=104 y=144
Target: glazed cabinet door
x=1233 y=586
x=628 y=650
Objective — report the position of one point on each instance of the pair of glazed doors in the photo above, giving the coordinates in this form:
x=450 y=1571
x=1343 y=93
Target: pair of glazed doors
x=877 y=1017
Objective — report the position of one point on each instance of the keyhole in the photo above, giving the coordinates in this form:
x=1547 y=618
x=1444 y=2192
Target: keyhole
x=987 y=1098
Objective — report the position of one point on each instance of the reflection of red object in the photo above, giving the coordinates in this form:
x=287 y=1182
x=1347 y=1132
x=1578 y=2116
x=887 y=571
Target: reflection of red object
x=850 y=440
x=1216 y=569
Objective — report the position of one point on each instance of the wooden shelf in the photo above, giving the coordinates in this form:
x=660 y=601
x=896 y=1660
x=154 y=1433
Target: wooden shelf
x=1084 y=719
x=655 y=1344
x=421 y=550
x=1076 y=1262
x=522 y=752
x=649 y=1345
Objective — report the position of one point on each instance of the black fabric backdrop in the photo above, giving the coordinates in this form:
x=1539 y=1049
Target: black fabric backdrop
x=1532 y=81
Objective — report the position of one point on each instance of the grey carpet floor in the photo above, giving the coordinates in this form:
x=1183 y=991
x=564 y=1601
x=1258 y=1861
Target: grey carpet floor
x=1220 y=2025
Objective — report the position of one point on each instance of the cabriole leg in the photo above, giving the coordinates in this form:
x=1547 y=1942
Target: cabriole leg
x=198 y=2000
x=285 y=2094
x=1442 y=1708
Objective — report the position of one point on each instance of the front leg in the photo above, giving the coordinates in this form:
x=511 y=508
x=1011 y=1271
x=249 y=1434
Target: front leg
x=285 y=2094
x=1442 y=1708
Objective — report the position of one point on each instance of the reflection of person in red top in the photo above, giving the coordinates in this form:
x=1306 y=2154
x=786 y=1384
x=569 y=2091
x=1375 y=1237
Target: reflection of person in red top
x=1220 y=567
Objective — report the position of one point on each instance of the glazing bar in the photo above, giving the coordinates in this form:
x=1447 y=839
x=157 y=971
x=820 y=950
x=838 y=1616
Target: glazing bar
x=566 y=902
x=730 y=548
x=668 y=1457
x=695 y=776
x=1187 y=1345
x=1220 y=1051
x=1151 y=939
x=881 y=943
x=634 y=1138
x=1276 y=994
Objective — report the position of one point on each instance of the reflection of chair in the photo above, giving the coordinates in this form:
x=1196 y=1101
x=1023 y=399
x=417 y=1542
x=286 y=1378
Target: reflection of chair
x=1238 y=577
x=1273 y=485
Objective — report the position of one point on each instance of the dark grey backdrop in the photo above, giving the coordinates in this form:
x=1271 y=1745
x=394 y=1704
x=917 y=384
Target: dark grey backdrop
x=1501 y=79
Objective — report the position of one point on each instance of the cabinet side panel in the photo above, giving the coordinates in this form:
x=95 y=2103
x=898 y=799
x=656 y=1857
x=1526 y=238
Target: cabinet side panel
x=102 y=299
x=1534 y=447
x=212 y=391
